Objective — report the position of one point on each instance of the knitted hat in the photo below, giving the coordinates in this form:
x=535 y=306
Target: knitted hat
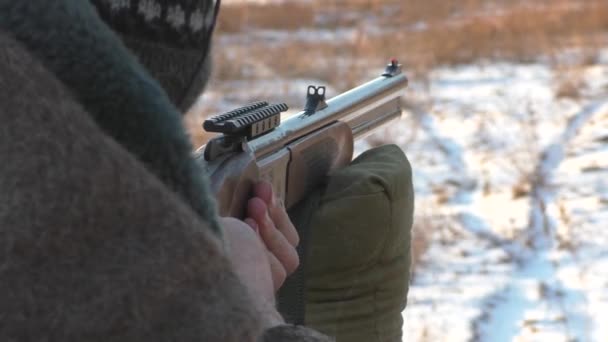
x=171 y=38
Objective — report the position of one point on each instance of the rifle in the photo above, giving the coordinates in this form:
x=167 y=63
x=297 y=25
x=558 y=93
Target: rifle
x=296 y=155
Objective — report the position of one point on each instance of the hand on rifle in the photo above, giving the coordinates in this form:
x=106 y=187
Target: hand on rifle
x=268 y=217
x=263 y=251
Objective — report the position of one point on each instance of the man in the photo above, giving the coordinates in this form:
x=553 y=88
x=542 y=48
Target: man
x=108 y=231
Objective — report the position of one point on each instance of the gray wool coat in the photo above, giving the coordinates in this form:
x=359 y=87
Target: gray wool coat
x=102 y=234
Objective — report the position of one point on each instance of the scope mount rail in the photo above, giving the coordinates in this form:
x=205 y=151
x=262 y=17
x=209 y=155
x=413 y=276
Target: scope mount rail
x=240 y=125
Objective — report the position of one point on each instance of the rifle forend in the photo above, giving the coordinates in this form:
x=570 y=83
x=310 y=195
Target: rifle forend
x=297 y=154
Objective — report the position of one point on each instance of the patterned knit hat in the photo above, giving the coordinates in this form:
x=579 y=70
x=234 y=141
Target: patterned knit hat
x=171 y=38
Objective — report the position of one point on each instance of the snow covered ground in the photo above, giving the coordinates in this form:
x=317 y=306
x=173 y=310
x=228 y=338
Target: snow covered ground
x=513 y=183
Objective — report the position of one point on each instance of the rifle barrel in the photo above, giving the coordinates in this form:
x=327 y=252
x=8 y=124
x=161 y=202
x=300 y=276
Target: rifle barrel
x=363 y=108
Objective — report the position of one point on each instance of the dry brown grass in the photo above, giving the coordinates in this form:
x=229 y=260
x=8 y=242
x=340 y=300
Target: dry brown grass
x=569 y=89
x=569 y=82
x=284 y=16
x=455 y=31
x=520 y=33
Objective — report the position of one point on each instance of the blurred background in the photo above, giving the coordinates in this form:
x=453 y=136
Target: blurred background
x=505 y=124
